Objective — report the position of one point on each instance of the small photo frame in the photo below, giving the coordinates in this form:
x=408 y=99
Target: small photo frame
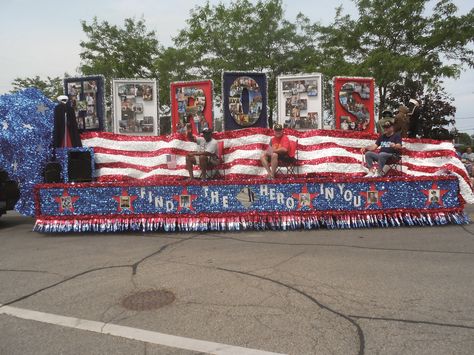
x=372 y=196
x=184 y=201
x=434 y=196
x=125 y=202
x=305 y=200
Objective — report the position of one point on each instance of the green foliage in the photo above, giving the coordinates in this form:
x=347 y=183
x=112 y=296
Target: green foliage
x=243 y=36
x=172 y=66
x=395 y=40
x=437 y=111
x=51 y=87
x=119 y=52
x=406 y=46
x=464 y=139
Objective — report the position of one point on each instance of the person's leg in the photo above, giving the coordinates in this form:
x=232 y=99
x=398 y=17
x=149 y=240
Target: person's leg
x=370 y=157
x=190 y=161
x=264 y=160
x=382 y=159
x=203 y=164
x=274 y=164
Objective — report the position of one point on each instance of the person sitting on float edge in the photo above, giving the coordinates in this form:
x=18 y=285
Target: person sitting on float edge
x=277 y=151
x=389 y=142
x=206 y=156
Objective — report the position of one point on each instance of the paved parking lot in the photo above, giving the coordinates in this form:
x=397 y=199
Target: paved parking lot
x=361 y=291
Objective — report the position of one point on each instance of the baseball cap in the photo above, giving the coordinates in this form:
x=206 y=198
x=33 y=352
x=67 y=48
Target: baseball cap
x=207 y=130
x=278 y=127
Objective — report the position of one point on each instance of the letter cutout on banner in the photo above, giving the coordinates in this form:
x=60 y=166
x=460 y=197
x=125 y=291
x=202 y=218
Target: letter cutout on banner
x=354 y=103
x=245 y=100
x=300 y=101
x=191 y=103
x=87 y=98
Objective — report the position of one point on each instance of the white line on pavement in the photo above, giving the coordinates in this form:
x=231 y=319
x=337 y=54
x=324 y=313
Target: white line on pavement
x=131 y=333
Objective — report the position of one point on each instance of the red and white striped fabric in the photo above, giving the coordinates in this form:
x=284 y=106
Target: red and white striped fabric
x=320 y=153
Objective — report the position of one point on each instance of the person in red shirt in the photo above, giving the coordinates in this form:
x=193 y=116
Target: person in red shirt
x=277 y=151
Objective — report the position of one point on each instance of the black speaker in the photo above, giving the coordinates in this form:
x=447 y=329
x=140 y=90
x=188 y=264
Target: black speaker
x=79 y=167
x=3 y=175
x=52 y=172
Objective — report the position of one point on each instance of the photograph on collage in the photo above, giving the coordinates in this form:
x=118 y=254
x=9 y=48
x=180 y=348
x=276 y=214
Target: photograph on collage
x=85 y=96
x=134 y=109
x=245 y=101
x=191 y=105
x=351 y=97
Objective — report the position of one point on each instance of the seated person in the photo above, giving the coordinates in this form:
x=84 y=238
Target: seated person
x=277 y=151
x=390 y=144
x=468 y=158
x=206 y=156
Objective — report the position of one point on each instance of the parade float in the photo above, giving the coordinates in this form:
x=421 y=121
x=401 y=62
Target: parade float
x=140 y=182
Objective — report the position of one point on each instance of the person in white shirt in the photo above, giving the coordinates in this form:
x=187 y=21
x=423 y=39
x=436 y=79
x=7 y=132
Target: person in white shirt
x=468 y=158
x=205 y=156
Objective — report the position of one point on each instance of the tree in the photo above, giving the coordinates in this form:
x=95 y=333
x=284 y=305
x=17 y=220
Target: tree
x=464 y=139
x=242 y=36
x=128 y=52
x=437 y=111
x=51 y=87
x=394 y=40
x=172 y=66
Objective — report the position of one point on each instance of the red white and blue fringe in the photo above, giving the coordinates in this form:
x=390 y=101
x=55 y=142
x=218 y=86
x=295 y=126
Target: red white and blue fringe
x=242 y=223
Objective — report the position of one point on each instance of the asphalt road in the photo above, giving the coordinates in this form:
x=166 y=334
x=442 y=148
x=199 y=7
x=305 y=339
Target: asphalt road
x=361 y=291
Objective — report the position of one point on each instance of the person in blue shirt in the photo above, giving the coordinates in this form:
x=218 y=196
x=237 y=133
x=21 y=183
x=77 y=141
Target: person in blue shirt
x=390 y=144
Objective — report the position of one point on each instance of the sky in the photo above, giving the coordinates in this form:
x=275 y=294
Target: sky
x=42 y=37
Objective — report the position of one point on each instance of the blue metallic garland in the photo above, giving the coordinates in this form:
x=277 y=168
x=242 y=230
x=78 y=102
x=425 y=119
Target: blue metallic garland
x=26 y=130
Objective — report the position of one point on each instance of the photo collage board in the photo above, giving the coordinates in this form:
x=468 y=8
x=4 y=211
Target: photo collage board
x=354 y=103
x=300 y=101
x=135 y=106
x=244 y=100
x=191 y=105
x=87 y=98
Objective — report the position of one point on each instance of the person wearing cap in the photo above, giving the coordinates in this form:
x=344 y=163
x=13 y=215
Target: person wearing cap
x=390 y=144
x=65 y=131
x=205 y=156
x=277 y=150
x=387 y=115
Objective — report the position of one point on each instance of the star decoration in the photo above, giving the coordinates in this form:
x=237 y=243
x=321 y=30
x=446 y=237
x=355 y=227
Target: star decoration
x=5 y=125
x=125 y=201
x=66 y=202
x=185 y=200
x=41 y=108
x=373 y=196
x=15 y=166
x=434 y=195
x=305 y=198
x=28 y=126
